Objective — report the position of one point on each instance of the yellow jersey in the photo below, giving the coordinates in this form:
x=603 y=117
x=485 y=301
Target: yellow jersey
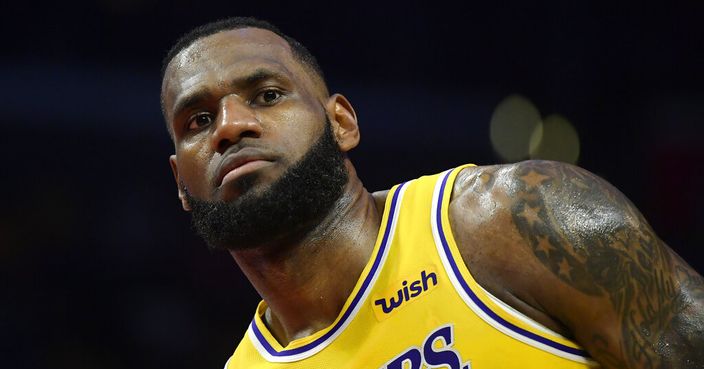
x=416 y=306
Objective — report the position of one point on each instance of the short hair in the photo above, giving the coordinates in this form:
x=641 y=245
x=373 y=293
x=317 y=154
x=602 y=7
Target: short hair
x=299 y=51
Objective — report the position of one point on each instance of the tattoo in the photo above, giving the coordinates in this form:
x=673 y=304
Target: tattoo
x=591 y=236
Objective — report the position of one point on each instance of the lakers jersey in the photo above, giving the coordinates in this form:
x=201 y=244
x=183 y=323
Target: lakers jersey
x=416 y=306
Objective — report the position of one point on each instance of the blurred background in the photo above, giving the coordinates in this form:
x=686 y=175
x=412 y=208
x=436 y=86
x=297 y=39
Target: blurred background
x=98 y=265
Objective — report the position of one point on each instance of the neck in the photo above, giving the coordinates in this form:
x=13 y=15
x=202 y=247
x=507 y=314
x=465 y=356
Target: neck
x=297 y=280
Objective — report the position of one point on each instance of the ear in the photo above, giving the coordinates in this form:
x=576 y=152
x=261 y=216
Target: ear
x=181 y=192
x=344 y=122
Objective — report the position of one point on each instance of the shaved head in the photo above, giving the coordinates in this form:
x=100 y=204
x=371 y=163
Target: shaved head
x=298 y=50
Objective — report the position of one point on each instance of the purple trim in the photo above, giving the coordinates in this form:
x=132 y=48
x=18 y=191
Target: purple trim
x=477 y=301
x=355 y=301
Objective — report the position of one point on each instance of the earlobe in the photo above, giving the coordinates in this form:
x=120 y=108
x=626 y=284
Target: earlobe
x=344 y=121
x=181 y=191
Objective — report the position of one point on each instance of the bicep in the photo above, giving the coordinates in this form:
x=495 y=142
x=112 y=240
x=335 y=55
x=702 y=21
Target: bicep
x=644 y=303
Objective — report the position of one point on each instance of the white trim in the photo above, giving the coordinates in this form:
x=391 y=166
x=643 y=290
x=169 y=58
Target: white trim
x=228 y=361
x=520 y=316
x=476 y=309
x=355 y=309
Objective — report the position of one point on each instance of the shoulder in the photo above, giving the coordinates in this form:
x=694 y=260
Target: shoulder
x=553 y=212
x=546 y=186
x=565 y=247
x=527 y=175
x=535 y=220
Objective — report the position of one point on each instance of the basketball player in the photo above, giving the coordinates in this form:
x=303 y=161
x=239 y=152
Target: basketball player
x=529 y=265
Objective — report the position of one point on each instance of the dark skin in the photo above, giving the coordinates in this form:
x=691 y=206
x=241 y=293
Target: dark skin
x=554 y=241
x=569 y=250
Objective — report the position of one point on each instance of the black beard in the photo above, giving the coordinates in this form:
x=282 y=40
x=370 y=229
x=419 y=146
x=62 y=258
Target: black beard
x=283 y=213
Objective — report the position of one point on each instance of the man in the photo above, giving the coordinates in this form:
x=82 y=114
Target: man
x=533 y=265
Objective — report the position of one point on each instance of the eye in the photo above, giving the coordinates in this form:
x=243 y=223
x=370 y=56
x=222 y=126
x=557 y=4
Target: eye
x=200 y=120
x=268 y=97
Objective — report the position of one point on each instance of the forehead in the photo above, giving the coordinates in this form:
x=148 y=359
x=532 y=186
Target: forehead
x=223 y=55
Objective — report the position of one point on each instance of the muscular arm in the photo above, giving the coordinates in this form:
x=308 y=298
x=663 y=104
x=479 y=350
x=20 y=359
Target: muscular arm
x=596 y=267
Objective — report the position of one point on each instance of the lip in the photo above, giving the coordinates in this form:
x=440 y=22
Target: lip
x=240 y=163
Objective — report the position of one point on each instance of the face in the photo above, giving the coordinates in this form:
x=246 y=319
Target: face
x=243 y=112
x=238 y=102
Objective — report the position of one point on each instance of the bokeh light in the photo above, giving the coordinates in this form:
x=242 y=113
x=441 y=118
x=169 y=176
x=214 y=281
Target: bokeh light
x=513 y=123
x=555 y=139
x=518 y=132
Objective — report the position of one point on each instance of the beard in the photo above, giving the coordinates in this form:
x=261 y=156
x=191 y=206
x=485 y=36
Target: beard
x=286 y=211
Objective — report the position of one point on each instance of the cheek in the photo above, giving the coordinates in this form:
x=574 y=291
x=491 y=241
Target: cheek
x=193 y=168
x=297 y=130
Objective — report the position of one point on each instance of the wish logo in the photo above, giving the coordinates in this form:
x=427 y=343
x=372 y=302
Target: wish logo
x=407 y=292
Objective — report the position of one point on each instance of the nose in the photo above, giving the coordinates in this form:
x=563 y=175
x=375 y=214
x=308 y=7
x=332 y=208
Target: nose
x=235 y=120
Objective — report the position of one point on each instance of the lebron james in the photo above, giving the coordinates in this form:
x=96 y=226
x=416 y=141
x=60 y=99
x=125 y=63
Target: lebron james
x=530 y=265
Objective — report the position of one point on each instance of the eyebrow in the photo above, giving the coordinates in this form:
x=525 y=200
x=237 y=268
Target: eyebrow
x=191 y=100
x=259 y=75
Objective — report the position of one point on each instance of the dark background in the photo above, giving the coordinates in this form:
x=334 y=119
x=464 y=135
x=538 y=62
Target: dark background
x=98 y=265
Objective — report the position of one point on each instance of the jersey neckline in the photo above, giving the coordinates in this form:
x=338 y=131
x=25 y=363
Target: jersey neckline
x=302 y=348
